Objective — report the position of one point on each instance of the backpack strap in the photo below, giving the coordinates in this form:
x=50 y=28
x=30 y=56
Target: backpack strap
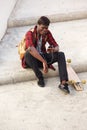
x=34 y=34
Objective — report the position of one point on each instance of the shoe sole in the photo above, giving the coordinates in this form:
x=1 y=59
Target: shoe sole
x=41 y=85
x=64 y=90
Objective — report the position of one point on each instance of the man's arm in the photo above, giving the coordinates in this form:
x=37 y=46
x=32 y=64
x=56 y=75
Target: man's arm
x=52 y=42
x=56 y=48
x=34 y=53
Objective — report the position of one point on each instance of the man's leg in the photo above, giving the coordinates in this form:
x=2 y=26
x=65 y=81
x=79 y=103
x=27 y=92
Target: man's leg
x=62 y=66
x=34 y=64
x=60 y=58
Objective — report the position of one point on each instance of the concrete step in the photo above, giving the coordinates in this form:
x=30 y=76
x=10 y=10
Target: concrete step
x=26 y=12
x=71 y=37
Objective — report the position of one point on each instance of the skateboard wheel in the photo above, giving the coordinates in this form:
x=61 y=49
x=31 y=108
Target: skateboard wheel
x=83 y=81
x=69 y=60
x=73 y=81
x=69 y=82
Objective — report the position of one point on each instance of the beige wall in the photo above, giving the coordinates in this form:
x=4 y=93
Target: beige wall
x=6 y=6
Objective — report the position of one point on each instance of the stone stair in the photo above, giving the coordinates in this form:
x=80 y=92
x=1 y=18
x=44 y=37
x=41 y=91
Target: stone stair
x=70 y=35
x=27 y=12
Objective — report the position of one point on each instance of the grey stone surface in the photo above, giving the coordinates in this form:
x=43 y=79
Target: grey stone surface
x=25 y=105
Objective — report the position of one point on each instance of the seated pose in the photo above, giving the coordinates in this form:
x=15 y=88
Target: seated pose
x=36 y=55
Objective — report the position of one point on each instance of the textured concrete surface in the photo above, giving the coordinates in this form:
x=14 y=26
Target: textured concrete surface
x=26 y=106
x=71 y=37
x=27 y=12
x=6 y=7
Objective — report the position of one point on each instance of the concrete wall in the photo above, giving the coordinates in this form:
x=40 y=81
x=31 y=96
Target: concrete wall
x=27 y=12
x=6 y=7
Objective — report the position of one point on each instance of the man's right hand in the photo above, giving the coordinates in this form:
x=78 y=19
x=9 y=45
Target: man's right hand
x=45 y=67
x=35 y=53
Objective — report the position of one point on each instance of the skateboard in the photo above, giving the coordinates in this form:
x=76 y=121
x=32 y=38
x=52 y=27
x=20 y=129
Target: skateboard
x=74 y=80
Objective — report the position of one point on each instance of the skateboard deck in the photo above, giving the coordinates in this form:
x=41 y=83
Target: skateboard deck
x=74 y=80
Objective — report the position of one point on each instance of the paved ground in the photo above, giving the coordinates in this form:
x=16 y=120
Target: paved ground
x=26 y=106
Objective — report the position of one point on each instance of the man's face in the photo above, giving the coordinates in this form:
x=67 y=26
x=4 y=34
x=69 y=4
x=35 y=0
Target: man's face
x=42 y=29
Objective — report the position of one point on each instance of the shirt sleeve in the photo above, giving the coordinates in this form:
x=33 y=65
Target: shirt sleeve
x=29 y=39
x=51 y=40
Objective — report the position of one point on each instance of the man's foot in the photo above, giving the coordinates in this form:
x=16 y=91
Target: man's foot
x=64 y=87
x=41 y=82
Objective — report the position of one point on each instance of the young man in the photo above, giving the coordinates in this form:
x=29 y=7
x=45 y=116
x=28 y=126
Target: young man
x=36 y=55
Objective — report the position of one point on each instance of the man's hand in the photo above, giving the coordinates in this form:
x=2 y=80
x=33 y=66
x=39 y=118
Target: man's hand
x=53 y=49
x=50 y=50
x=45 y=67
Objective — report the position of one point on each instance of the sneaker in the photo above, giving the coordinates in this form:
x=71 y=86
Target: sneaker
x=41 y=82
x=64 y=87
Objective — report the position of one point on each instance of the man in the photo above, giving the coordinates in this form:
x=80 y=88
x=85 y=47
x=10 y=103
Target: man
x=36 y=55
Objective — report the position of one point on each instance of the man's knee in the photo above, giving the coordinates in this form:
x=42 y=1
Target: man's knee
x=61 y=54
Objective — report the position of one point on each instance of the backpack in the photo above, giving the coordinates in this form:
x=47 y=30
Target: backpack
x=22 y=48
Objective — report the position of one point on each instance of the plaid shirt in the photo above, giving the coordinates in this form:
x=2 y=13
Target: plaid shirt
x=32 y=40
